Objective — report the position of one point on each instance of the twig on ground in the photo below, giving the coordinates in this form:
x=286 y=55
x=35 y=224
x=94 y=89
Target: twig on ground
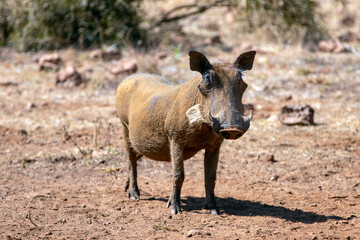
x=338 y=197
x=108 y=137
x=351 y=49
x=33 y=221
x=68 y=137
x=94 y=143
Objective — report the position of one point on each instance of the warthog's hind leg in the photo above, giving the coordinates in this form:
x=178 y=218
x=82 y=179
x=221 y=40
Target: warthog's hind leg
x=132 y=157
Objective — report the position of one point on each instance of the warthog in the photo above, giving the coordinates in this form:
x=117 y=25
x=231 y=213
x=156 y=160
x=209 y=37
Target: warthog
x=172 y=123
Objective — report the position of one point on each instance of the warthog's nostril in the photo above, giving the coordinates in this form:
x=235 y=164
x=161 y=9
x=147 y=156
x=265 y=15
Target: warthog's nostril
x=239 y=135
x=231 y=133
x=224 y=134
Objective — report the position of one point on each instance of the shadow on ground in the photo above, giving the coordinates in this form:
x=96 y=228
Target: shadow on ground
x=247 y=208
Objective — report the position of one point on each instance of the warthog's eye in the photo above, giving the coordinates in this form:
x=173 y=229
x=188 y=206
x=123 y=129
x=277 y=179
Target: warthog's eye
x=207 y=81
x=206 y=85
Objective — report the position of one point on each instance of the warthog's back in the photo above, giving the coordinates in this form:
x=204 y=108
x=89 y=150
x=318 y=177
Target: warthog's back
x=142 y=103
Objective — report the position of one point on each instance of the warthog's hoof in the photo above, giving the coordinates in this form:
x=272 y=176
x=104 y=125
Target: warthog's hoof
x=175 y=207
x=213 y=210
x=134 y=194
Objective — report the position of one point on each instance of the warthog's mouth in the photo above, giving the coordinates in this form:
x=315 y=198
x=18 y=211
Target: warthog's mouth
x=231 y=133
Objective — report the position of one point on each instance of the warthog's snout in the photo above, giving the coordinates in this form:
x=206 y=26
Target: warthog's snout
x=231 y=133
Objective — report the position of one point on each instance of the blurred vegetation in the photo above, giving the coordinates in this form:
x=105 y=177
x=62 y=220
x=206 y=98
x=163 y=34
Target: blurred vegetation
x=281 y=18
x=50 y=24
x=54 y=24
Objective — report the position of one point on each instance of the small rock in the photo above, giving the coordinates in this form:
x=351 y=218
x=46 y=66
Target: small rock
x=348 y=20
x=126 y=67
x=193 y=232
x=50 y=61
x=332 y=45
x=297 y=115
x=286 y=97
x=266 y=156
x=349 y=36
x=216 y=39
x=69 y=77
x=161 y=55
x=22 y=132
x=97 y=54
x=106 y=55
x=274 y=178
x=31 y=105
x=63 y=220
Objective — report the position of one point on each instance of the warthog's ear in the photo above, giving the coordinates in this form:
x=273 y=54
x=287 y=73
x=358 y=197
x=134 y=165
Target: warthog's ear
x=198 y=62
x=245 y=60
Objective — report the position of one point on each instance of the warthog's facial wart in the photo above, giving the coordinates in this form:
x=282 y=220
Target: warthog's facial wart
x=194 y=115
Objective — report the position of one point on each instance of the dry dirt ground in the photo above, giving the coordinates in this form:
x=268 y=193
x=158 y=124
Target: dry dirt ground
x=49 y=190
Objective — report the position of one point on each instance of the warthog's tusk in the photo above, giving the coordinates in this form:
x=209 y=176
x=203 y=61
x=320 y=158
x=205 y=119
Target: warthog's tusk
x=211 y=117
x=248 y=118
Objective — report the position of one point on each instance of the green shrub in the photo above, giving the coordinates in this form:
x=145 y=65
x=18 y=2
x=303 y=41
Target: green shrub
x=49 y=24
x=5 y=27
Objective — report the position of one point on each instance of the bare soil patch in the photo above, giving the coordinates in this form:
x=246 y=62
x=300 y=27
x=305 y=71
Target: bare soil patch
x=311 y=190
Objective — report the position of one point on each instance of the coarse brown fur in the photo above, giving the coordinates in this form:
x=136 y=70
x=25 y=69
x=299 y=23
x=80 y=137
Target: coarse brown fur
x=172 y=123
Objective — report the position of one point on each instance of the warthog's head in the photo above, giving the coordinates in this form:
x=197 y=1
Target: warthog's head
x=222 y=87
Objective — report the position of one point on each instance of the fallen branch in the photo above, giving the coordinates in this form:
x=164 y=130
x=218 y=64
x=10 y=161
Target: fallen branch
x=191 y=9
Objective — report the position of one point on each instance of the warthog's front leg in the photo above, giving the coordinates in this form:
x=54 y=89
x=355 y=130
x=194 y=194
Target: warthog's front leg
x=210 y=165
x=178 y=176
